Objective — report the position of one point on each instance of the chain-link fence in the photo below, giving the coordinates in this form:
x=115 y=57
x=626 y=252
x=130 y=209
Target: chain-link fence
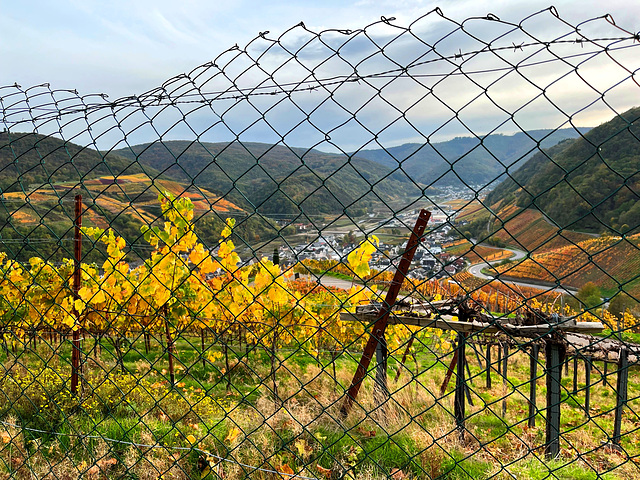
x=400 y=251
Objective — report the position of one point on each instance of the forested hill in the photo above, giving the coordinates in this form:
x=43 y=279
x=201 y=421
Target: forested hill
x=474 y=161
x=276 y=179
x=32 y=160
x=590 y=184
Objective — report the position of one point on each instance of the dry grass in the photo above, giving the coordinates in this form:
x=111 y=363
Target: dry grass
x=412 y=435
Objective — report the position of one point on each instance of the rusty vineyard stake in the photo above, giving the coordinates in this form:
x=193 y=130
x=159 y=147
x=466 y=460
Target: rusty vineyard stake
x=383 y=315
x=77 y=275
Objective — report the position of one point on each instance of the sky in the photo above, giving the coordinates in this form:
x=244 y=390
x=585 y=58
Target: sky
x=125 y=48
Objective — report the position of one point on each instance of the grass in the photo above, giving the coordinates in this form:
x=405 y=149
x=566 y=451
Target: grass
x=106 y=431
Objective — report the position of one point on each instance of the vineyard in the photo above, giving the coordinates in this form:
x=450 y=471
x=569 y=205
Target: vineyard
x=609 y=262
x=197 y=349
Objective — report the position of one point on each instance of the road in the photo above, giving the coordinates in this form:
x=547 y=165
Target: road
x=328 y=281
x=476 y=271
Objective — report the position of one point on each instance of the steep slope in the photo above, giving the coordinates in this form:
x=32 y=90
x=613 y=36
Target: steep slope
x=470 y=160
x=590 y=184
x=274 y=178
x=583 y=262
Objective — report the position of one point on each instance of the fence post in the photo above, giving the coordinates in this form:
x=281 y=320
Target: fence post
x=554 y=375
x=488 y=359
x=459 y=405
x=77 y=276
x=604 y=375
x=621 y=395
x=381 y=386
x=533 y=376
x=575 y=375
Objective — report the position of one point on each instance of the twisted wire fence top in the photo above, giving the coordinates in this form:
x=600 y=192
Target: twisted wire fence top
x=241 y=227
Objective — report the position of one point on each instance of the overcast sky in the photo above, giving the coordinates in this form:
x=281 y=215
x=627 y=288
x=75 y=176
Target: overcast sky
x=123 y=48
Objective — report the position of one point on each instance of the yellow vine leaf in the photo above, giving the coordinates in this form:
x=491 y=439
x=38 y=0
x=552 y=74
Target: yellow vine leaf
x=233 y=434
x=360 y=257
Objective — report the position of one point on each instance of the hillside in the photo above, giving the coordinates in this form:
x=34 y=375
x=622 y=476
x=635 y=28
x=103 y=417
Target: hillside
x=275 y=179
x=527 y=229
x=39 y=176
x=590 y=184
x=106 y=197
x=29 y=160
x=471 y=160
x=124 y=203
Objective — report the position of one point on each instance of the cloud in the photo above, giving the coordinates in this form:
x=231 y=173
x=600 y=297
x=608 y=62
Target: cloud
x=124 y=48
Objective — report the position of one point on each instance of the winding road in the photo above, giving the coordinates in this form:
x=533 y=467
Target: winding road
x=476 y=271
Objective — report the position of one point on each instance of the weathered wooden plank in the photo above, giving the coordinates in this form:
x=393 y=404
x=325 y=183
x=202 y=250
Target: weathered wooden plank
x=447 y=322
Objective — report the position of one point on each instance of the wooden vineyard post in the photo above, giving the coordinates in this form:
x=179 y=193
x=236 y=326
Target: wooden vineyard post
x=554 y=374
x=587 y=388
x=381 y=389
x=499 y=358
x=533 y=376
x=605 y=373
x=488 y=359
x=202 y=335
x=475 y=352
x=621 y=395
x=466 y=385
x=170 y=346
x=505 y=359
x=461 y=387
x=380 y=325
x=447 y=376
x=575 y=375
x=77 y=276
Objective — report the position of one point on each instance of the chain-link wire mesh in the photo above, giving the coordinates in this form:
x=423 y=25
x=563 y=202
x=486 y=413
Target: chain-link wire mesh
x=212 y=279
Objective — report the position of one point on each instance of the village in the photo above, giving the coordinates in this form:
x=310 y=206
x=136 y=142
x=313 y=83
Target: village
x=430 y=260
